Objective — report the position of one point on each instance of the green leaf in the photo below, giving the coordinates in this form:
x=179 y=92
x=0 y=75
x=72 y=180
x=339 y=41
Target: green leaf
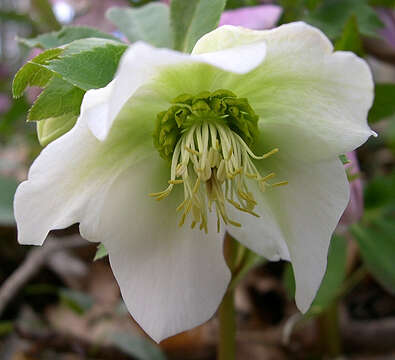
x=191 y=19
x=59 y=98
x=149 y=23
x=64 y=36
x=101 y=252
x=292 y=10
x=10 y=15
x=380 y=192
x=9 y=121
x=289 y=281
x=6 y=327
x=33 y=73
x=384 y=104
x=43 y=10
x=377 y=246
x=334 y=276
x=76 y=300
x=137 y=347
x=388 y=3
x=88 y=63
x=332 y=16
x=50 y=129
x=7 y=191
x=350 y=39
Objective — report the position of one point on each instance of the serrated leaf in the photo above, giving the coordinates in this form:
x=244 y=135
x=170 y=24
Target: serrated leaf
x=137 y=346
x=350 y=40
x=50 y=129
x=191 y=19
x=332 y=15
x=377 y=246
x=7 y=190
x=149 y=23
x=33 y=73
x=384 y=103
x=88 y=63
x=334 y=276
x=64 y=36
x=59 y=98
x=101 y=252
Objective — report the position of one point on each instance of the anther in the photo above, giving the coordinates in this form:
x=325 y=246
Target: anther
x=270 y=153
x=281 y=183
x=175 y=182
x=268 y=177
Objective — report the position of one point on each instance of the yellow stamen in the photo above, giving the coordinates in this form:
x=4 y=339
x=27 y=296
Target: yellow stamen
x=281 y=183
x=268 y=177
x=223 y=167
x=270 y=153
x=175 y=182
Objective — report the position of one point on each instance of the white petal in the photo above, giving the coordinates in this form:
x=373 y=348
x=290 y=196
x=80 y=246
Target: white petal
x=299 y=217
x=67 y=181
x=263 y=235
x=96 y=106
x=171 y=278
x=51 y=199
x=311 y=100
x=142 y=62
x=240 y=60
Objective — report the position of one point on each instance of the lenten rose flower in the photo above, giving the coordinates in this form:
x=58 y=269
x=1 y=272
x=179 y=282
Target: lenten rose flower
x=253 y=17
x=241 y=136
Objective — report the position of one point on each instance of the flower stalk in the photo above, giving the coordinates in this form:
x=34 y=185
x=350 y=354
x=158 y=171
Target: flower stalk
x=226 y=349
x=227 y=328
x=330 y=331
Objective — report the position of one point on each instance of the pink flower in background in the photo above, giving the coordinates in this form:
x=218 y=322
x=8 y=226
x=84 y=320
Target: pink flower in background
x=86 y=13
x=354 y=208
x=255 y=17
x=388 y=18
x=5 y=103
x=96 y=14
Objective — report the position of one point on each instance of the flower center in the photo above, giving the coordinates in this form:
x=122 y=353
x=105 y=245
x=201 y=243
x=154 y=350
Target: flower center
x=206 y=138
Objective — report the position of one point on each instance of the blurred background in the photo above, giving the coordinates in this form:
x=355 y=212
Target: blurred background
x=57 y=303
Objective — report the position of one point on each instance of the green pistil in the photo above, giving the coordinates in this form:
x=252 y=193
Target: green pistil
x=221 y=106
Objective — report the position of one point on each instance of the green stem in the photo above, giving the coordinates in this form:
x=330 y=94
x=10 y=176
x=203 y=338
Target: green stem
x=227 y=328
x=330 y=332
x=226 y=313
x=46 y=14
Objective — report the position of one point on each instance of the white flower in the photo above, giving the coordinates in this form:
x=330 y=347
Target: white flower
x=282 y=92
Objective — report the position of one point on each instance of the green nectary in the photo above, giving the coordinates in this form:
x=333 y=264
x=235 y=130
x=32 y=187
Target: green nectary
x=221 y=106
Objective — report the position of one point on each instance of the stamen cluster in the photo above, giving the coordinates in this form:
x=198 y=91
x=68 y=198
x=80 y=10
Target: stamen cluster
x=207 y=137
